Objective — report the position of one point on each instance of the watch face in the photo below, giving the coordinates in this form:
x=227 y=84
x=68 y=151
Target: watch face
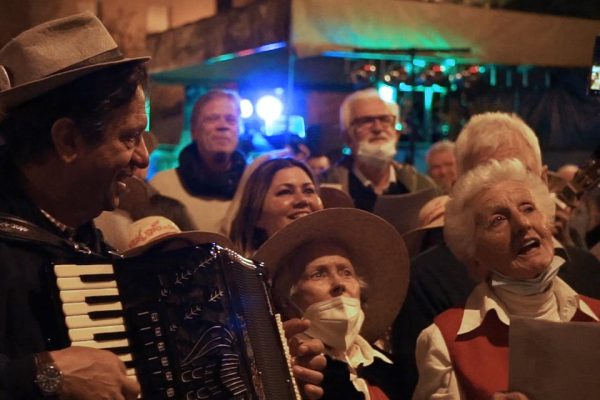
x=49 y=379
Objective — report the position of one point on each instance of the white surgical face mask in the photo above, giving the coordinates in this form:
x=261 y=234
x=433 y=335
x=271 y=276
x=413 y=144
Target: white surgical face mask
x=376 y=154
x=527 y=287
x=336 y=322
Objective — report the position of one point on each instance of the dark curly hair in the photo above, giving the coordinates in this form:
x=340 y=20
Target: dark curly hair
x=89 y=101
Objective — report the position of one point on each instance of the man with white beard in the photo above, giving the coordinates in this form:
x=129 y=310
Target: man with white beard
x=368 y=128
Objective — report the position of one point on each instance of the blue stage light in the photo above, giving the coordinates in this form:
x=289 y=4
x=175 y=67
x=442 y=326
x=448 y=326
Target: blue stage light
x=269 y=108
x=246 y=108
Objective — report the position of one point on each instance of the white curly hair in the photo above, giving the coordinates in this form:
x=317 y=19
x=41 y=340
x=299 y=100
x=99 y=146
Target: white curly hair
x=459 y=227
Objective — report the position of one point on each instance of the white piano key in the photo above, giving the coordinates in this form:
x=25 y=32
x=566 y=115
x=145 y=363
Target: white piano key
x=83 y=321
x=85 y=308
x=80 y=334
x=74 y=270
x=130 y=372
x=125 y=357
x=77 y=296
x=105 y=344
x=76 y=283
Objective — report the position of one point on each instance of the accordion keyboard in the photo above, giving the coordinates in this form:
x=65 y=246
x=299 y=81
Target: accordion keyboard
x=92 y=309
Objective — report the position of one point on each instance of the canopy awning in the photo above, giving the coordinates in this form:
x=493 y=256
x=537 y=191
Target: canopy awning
x=242 y=42
x=489 y=36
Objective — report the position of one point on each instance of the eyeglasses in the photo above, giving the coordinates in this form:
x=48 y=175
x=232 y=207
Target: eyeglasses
x=369 y=120
x=213 y=118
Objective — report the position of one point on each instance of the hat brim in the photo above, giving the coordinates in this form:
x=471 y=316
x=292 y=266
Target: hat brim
x=332 y=198
x=376 y=250
x=22 y=93
x=183 y=239
x=413 y=239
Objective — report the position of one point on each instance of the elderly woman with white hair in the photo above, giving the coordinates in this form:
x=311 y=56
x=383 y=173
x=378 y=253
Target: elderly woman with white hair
x=498 y=223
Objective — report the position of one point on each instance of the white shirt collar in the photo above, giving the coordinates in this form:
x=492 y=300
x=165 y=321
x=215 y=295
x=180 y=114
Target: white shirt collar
x=483 y=299
x=367 y=183
x=361 y=353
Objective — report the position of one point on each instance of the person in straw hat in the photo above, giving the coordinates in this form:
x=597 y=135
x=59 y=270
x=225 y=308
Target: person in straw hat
x=346 y=271
x=158 y=232
x=72 y=121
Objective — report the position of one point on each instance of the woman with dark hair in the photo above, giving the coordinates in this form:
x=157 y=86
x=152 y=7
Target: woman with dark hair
x=279 y=191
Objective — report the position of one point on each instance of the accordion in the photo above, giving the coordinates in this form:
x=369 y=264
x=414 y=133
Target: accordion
x=191 y=323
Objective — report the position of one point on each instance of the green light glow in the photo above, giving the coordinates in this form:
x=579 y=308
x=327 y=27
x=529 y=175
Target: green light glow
x=403 y=87
x=428 y=99
x=439 y=89
x=224 y=57
x=450 y=62
x=419 y=63
x=435 y=88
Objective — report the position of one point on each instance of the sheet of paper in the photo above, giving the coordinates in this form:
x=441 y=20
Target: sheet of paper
x=553 y=360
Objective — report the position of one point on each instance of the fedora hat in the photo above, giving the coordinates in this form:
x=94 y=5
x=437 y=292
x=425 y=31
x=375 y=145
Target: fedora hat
x=374 y=247
x=155 y=230
x=53 y=54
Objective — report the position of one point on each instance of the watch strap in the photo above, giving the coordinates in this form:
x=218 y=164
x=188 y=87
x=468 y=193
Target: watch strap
x=43 y=358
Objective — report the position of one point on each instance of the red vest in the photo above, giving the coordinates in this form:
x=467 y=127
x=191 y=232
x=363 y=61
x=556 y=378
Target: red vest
x=480 y=357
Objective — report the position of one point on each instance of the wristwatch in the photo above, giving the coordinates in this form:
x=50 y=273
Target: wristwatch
x=48 y=377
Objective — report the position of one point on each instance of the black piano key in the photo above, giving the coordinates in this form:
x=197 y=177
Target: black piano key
x=105 y=314
x=119 y=350
x=90 y=278
x=110 y=336
x=102 y=299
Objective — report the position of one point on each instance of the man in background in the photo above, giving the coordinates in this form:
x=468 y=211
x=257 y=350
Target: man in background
x=210 y=167
x=441 y=164
x=368 y=126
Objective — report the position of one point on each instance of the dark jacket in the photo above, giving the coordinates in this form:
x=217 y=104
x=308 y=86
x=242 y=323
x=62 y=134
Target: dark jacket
x=337 y=385
x=407 y=180
x=200 y=181
x=29 y=319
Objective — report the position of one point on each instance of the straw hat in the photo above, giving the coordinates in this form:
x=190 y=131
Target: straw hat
x=375 y=248
x=151 y=231
x=332 y=197
x=54 y=53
